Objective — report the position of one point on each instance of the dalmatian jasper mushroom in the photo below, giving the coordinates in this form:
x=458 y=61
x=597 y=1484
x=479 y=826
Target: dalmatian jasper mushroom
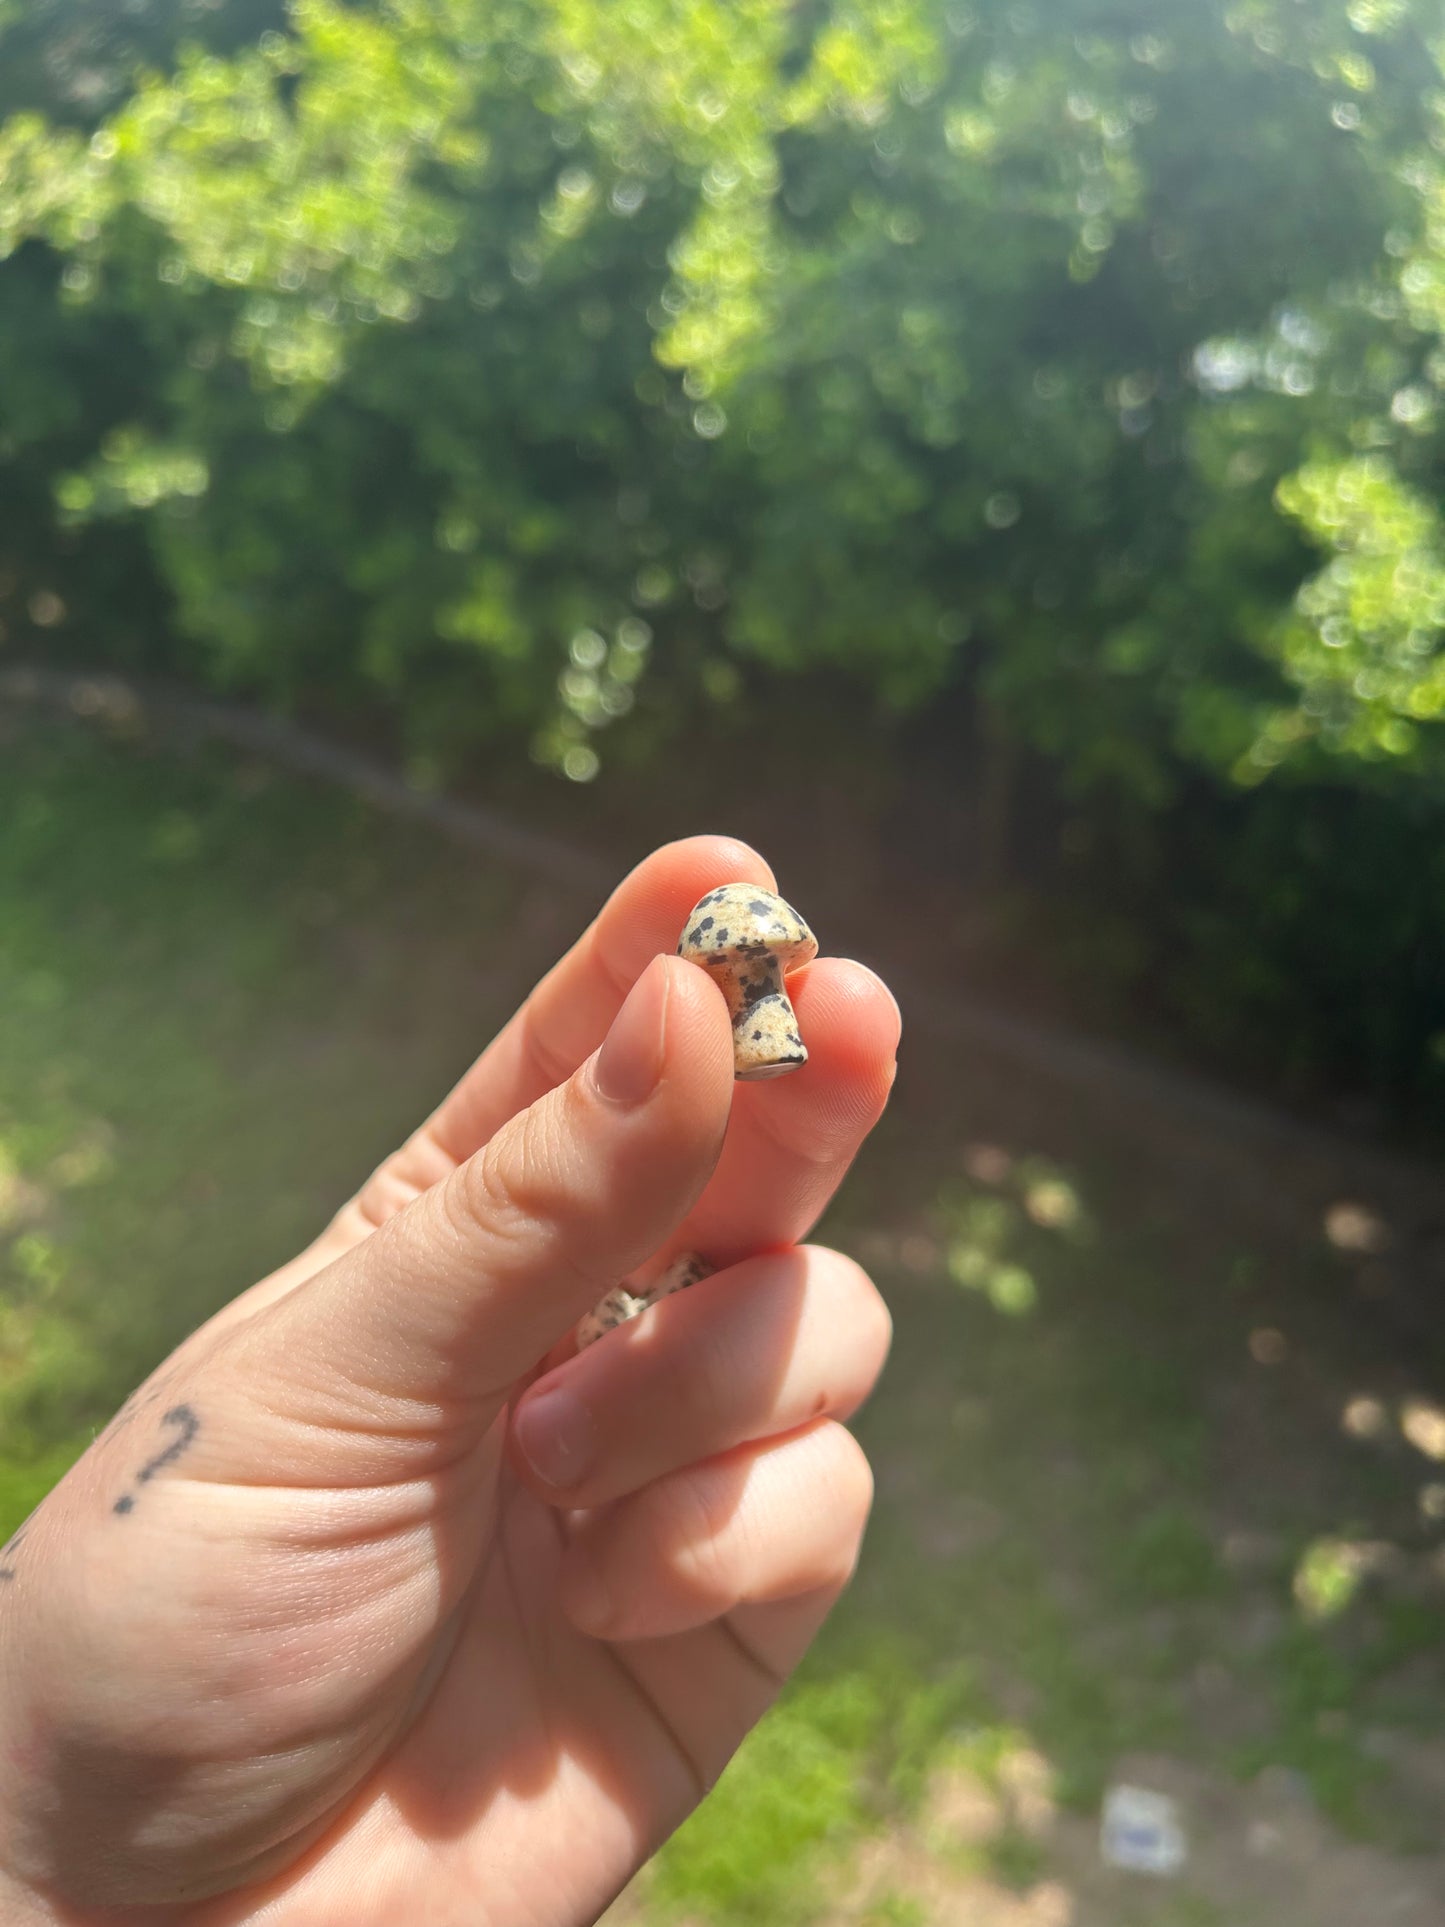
x=747 y=939
x=624 y=1302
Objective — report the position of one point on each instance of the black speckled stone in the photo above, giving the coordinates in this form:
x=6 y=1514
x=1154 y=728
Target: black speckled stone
x=749 y=939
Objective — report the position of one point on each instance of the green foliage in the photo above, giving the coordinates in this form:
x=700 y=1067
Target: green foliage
x=74 y=61
x=1167 y=1557
x=837 y=1753
x=510 y=373
x=825 y=338
x=795 y=1790
x=1366 y=651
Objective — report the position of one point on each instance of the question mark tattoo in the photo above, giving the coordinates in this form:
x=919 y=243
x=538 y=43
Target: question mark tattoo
x=187 y=1425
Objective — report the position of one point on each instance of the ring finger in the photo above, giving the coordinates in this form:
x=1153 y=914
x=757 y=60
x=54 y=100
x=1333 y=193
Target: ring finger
x=774 y=1521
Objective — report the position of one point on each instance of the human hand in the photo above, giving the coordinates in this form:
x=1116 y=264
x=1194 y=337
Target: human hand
x=304 y=1638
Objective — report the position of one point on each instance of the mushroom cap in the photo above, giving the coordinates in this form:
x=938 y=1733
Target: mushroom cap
x=738 y=923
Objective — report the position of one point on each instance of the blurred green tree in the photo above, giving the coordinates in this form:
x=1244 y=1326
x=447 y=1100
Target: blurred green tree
x=496 y=363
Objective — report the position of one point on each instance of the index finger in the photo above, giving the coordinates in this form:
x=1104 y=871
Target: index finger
x=564 y=1019
x=558 y=1027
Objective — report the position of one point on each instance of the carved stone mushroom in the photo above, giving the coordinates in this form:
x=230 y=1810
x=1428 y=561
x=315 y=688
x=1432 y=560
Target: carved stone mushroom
x=625 y=1301
x=749 y=939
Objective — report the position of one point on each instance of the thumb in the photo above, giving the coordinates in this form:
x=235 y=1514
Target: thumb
x=417 y=1336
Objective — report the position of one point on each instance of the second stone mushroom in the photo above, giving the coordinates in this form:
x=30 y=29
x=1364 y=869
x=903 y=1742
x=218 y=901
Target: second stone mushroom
x=747 y=939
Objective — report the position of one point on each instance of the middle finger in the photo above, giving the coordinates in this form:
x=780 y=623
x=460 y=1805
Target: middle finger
x=749 y=1354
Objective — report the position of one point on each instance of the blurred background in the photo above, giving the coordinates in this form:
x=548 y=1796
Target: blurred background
x=987 y=454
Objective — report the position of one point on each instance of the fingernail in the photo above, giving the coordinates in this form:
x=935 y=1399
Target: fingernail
x=588 y=1602
x=629 y=1064
x=557 y=1437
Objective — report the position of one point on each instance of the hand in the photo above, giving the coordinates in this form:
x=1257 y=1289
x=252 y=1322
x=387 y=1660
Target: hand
x=305 y=1637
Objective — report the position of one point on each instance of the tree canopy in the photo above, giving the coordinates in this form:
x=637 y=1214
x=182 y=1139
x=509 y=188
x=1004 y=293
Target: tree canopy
x=529 y=368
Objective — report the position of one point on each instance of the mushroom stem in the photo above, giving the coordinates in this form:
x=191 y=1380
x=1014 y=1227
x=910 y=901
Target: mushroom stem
x=627 y=1300
x=765 y=1029
x=747 y=939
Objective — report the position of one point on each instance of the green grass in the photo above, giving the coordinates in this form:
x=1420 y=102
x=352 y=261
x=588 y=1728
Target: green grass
x=221 y=998
x=223 y=995
x=839 y=1753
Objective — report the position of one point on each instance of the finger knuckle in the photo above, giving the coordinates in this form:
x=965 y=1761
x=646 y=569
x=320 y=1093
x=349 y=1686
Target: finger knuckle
x=849 y=1478
x=484 y=1197
x=839 y=1484
x=546 y=1058
x=851 y=1488
x=857 y=1304
x=852 y=1330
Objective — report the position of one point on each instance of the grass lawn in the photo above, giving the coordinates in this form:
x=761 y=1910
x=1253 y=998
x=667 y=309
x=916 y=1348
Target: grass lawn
x=1156 y=1497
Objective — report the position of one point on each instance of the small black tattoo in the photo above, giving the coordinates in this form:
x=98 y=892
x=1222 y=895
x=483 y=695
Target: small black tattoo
x=187 y=1425
x=11 y=1545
